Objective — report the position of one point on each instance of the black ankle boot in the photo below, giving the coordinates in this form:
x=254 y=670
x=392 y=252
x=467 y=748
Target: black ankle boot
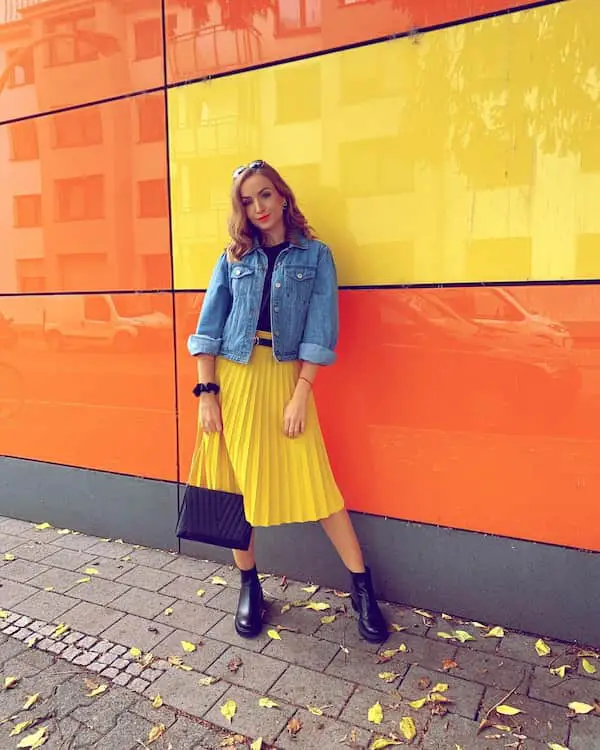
x=371 y=625
x=248 y=618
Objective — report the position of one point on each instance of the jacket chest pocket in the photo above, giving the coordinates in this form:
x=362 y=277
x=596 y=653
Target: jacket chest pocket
x=299 y=283
x=241 y=279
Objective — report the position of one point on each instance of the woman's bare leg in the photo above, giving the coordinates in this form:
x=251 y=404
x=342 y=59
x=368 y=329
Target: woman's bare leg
x=371 y=624
x=245 y=559
x=342 y=535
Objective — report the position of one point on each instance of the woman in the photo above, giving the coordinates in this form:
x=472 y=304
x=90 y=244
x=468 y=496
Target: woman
x=268 y=322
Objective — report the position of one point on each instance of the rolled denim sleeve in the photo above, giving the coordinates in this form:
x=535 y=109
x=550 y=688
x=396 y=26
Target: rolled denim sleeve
x=322 y=321
x=215 y=309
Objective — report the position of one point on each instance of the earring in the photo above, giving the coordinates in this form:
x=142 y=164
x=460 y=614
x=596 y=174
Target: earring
x=284 y=205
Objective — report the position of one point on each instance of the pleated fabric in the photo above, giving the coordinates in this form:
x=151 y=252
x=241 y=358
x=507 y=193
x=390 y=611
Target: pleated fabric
x=282 y=480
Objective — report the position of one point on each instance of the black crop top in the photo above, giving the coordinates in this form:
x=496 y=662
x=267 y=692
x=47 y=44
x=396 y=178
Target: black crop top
x=264 y=319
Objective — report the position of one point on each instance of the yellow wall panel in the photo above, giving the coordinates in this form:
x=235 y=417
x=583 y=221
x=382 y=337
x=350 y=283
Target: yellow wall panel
x=464 y=155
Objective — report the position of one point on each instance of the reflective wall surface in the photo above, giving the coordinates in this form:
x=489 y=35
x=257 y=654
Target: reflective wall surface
x=459 y=200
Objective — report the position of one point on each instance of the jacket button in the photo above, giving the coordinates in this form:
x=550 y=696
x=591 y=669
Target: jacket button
x=277 y=285
x=299 y=275
x=237 y=272
x=276 y=309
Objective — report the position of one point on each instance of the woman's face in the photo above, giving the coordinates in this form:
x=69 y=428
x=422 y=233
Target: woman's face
x=263 y=204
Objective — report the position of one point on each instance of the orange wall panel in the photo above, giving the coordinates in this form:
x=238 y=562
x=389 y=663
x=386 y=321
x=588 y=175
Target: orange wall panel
x=460 y=407
x=207 y=40
x=84 y=199
x=53 y=57
x=88 y=380
x=187 y=307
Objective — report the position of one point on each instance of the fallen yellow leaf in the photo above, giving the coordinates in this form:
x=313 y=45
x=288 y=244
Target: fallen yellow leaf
x=496 y=632
x=10 y=682
x=3 y=614
x=440 y=687
x=63 y=532
x=556 y=746
x=31 y=699
x=444 y=616
x=419 y=703
x=228 y=710
x=273 y=634
x=97 y=691
x=267 y=703
x=200 y=592
x=375 y=713
x=168 y=611
x=205 y=681
x=155 y=733
x=48 y=588
x=218 y=581
x=395 y=628
x=423 y=613
x=382 y=742
x=317 y=606
x=508 y=710
x=286 y=608
x=85 y=579
x=34 y=740
x=257 y=744
x=61 y=629
x=327 y=619
x=20 y=727
x=588 y=666
x=437 y=698
x=91 y=571
x=310 y=589
x=388 y=676
x=315 y=710
x=157 y=701
x=135 y=652
x=463 y=636
x=542 y=648
x=9 y=557
x=188 y=647
x=408 y=728
x=580 y=708
x=560 y=671
x=447 y=636
x=42 y=526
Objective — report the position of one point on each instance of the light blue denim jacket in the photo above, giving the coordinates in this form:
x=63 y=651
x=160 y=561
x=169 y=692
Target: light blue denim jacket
x=304 y=305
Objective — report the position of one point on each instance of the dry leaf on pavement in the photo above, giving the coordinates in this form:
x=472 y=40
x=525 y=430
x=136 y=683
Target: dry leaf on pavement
x=34 y=740
x=408 y=728
x=228 y=709
x=375 y=713
x=155 y=733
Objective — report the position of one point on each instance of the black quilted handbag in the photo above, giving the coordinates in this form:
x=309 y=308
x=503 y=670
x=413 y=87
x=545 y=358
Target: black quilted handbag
x=214 y=517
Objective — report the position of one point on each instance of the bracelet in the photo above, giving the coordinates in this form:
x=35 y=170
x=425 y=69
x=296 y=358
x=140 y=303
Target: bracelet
x=200 y=388
x=306 y=380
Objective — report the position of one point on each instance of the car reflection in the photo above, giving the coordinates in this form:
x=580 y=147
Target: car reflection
x=120 y=322
x=495 y=308
x=454 y=371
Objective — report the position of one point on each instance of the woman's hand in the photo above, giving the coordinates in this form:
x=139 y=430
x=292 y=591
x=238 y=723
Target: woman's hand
x=294 y=415
x=210 y=413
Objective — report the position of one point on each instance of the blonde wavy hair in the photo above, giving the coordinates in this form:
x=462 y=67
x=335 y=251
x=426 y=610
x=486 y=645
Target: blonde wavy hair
x=241 y=230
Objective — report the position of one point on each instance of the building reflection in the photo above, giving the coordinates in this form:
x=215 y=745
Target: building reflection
x=84 y=205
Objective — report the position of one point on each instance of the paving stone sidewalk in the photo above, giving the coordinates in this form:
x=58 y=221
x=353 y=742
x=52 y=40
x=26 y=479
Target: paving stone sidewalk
x=99 y=630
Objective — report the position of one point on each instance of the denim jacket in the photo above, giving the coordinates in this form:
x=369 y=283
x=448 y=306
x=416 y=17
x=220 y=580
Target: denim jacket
x=304 y=305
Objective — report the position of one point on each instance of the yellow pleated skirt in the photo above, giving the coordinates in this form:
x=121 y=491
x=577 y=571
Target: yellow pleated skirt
x=282 y=479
